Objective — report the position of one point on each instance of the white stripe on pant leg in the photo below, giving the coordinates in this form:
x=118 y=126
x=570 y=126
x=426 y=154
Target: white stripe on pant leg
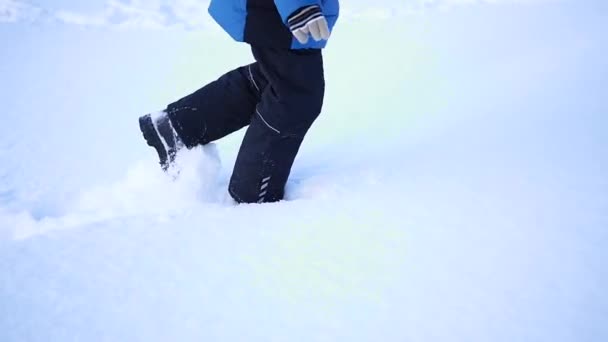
x=253 y=80
x=267 y=124
x=264 y=189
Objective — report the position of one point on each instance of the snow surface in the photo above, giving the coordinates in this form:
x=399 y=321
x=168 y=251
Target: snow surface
x=454 y=189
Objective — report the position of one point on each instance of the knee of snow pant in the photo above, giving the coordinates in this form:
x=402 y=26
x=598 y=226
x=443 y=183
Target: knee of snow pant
x=294 y=95
x=293 y=113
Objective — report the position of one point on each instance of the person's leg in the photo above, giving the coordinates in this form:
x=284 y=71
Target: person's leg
x=289 y=105
x=219 y=108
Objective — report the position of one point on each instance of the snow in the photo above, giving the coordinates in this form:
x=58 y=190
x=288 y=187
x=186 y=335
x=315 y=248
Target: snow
x=454 y=189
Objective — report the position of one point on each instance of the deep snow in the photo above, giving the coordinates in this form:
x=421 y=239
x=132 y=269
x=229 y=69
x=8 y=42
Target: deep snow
x=455 y=188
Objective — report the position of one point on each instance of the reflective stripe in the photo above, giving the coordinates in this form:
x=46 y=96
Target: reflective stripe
x=264 y=189
x=253 y=80
x=267 y=124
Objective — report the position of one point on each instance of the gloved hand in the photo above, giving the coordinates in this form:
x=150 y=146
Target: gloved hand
x=309 y=21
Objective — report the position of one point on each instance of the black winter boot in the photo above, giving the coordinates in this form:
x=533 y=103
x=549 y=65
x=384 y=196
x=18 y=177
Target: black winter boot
x=159 y=133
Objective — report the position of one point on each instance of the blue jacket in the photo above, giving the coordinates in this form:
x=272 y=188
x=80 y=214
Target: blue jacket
x=264 y=22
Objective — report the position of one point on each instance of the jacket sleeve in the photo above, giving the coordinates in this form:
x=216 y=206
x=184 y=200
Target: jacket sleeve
x=287 y=7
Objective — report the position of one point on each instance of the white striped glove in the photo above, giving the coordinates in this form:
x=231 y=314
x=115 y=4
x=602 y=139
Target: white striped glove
x=309 y=21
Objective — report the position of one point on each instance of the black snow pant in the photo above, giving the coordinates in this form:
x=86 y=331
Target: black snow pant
x=279 y=97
